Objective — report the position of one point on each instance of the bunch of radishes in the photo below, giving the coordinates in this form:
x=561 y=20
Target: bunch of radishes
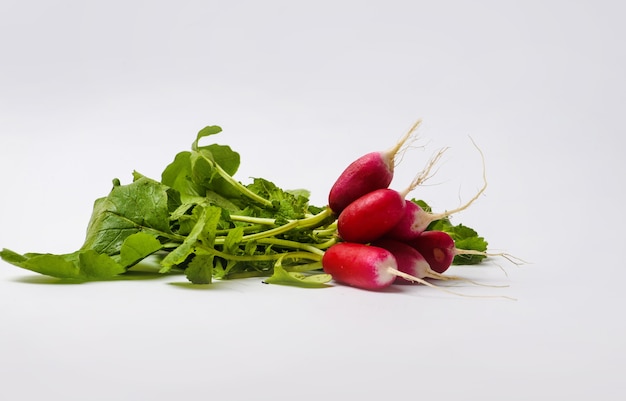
x=383 y=234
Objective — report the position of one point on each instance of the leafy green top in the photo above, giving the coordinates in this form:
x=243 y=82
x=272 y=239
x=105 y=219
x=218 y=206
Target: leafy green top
x=200 y=220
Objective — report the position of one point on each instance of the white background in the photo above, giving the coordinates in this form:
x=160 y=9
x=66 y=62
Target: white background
x=90 y=91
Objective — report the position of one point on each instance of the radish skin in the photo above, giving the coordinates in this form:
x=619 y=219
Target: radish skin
x=437 y=247
x=412 y=262
x=365 y=266
x=371 y=216
x=409 y=260
x=370 y=267
x=359 y=265
x=412 y=223
x=369 y=172
x=439 y=250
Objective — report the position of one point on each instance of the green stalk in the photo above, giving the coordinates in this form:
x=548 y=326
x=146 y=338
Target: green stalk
x=327 y=244
x=253 y=220
x=331 y=230
x=302 y=223
x=258 y=258
x=223 y=233
x=305 y=267
x=291 y=244
x=240 y=187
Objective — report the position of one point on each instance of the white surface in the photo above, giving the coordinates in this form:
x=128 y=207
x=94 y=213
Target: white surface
x=91 y=91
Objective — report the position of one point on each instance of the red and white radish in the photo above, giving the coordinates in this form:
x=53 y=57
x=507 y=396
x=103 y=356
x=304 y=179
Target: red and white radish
x=437 y=247
x=369 y=172
x=412 y=223
x=370 y=216
x=409 y=260
x=359 y=265
x=412 y=262
x=369 y=267
x=364 y=266
x=439 y=250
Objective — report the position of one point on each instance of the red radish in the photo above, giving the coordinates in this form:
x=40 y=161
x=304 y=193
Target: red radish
x=439 y=250
x=368 y=267
x=364 y=266
x=437 y=247
x=359 y=265
x=409 y=260
x=413 y=222
x=368 y=173
x=370 y=216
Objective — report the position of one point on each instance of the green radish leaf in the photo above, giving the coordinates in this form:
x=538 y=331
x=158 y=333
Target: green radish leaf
x=462 y=232
x=233 y=240
x=180 y=253
x=204 y=132
x=61 y=266
x=128 y=209
x=222 y=155
x=200 y=269
x=81 y=265
x=206 y=175
x=283 y=277
x=203 y=233
x=137 y=247
x=177 y=175
x=286 y=205
x=94 y=265
x=300 y=192
x=422 y=204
